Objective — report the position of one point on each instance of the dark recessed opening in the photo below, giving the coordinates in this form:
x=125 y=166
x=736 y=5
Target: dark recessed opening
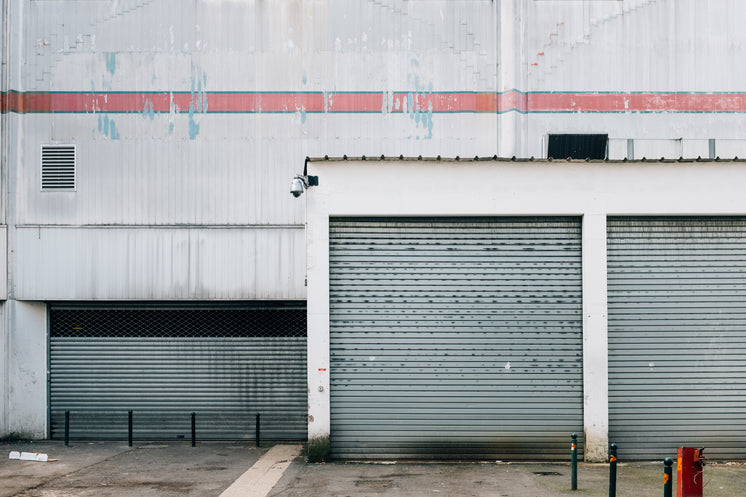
x=578 y=146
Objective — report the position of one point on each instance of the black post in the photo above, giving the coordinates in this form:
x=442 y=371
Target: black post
x=612 y=471
x=67 y=428
x=574 y=462
x=257 y=429
x=194 y=430
x=129 y=428
x=667 y=477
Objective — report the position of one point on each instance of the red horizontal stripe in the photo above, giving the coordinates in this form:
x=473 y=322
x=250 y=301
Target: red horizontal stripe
x=260 y=102
x=636 y=102
x=346 y=102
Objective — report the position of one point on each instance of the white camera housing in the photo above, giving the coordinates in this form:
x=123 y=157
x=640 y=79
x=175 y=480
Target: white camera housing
x=297 y=186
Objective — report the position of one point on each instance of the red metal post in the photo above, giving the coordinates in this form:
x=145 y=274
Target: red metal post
x=689 y=466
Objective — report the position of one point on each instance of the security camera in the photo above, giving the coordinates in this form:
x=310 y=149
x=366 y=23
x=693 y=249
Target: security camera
x=301 y=182
x=297 y=187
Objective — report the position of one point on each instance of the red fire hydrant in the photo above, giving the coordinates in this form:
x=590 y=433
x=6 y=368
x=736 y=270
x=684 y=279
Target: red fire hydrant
x=690 y=467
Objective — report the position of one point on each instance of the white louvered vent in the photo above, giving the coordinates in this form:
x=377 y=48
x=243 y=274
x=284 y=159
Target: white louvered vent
x=58 y=167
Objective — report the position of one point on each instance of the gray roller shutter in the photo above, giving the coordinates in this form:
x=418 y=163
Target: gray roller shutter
x=226 y=364
x=455 y=338
x=677 y=335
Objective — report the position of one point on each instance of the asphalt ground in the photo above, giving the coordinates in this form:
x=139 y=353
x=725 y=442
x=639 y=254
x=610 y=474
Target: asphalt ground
x=177 y=469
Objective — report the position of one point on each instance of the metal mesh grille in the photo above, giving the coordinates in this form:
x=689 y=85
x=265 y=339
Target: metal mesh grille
x=287 y=320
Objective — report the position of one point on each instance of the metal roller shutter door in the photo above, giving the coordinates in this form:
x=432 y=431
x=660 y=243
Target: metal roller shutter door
x=677 y=335
x=224 y=363
x=455 y=338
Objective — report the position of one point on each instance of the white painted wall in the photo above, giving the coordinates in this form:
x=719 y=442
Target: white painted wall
x=4 y=372
x=317 y=256
x=27 y=369
x=595 y=337
x=593 y=190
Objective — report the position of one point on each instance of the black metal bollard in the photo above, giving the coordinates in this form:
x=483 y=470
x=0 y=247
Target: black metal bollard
x=258 y=425
x=667 y=477
x=67 y=428
x=194 y=430
x=129 y=428
x=612 y=471
x=574 y=462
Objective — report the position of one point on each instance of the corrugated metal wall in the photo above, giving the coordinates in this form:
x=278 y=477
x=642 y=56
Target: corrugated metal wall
x=648 y=45
x=115 y=263
x=155 y=98
x=677 y=336
x=632 y=46
x=455 y=338
x=182 y=162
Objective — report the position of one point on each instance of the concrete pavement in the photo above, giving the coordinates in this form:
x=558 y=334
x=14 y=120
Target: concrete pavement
x=106 y=469
x=176 y=469
x=638 y=479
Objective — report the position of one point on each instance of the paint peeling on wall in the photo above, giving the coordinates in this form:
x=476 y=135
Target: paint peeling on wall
x=147 y=111
x=197 y=103
x=367 y=102
x=111 y=62
x=419 y=104
x=107 y=127
x=172 y=110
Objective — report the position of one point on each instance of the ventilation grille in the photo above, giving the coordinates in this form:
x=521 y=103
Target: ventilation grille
x=58 y=167
x=280 y=321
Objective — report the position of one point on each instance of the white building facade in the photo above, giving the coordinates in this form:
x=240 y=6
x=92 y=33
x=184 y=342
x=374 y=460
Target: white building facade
x=146 y=150
x=492 y=307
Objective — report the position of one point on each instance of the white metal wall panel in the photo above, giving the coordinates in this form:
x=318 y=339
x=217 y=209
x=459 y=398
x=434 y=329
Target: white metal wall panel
x=3 y=262
x=225 y=364
x=200 y=167
x=455 y=337
x=237 y=173
x=318 y=39
x=677 y=335
x=227 y=263
x=601 y=46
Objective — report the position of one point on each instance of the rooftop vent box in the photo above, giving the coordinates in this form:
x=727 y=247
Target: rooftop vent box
x=578 y=147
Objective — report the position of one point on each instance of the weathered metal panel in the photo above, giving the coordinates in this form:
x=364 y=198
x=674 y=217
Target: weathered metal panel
x=3 y=262
x=5 y=382
x=186 y=163
x=136 y=179
x=677 y=335
x=730 y=148
x=657 y=149
x=207 y=363
x=602 y=46
x=159 y=264
x=190 y=164
x=455 y=338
